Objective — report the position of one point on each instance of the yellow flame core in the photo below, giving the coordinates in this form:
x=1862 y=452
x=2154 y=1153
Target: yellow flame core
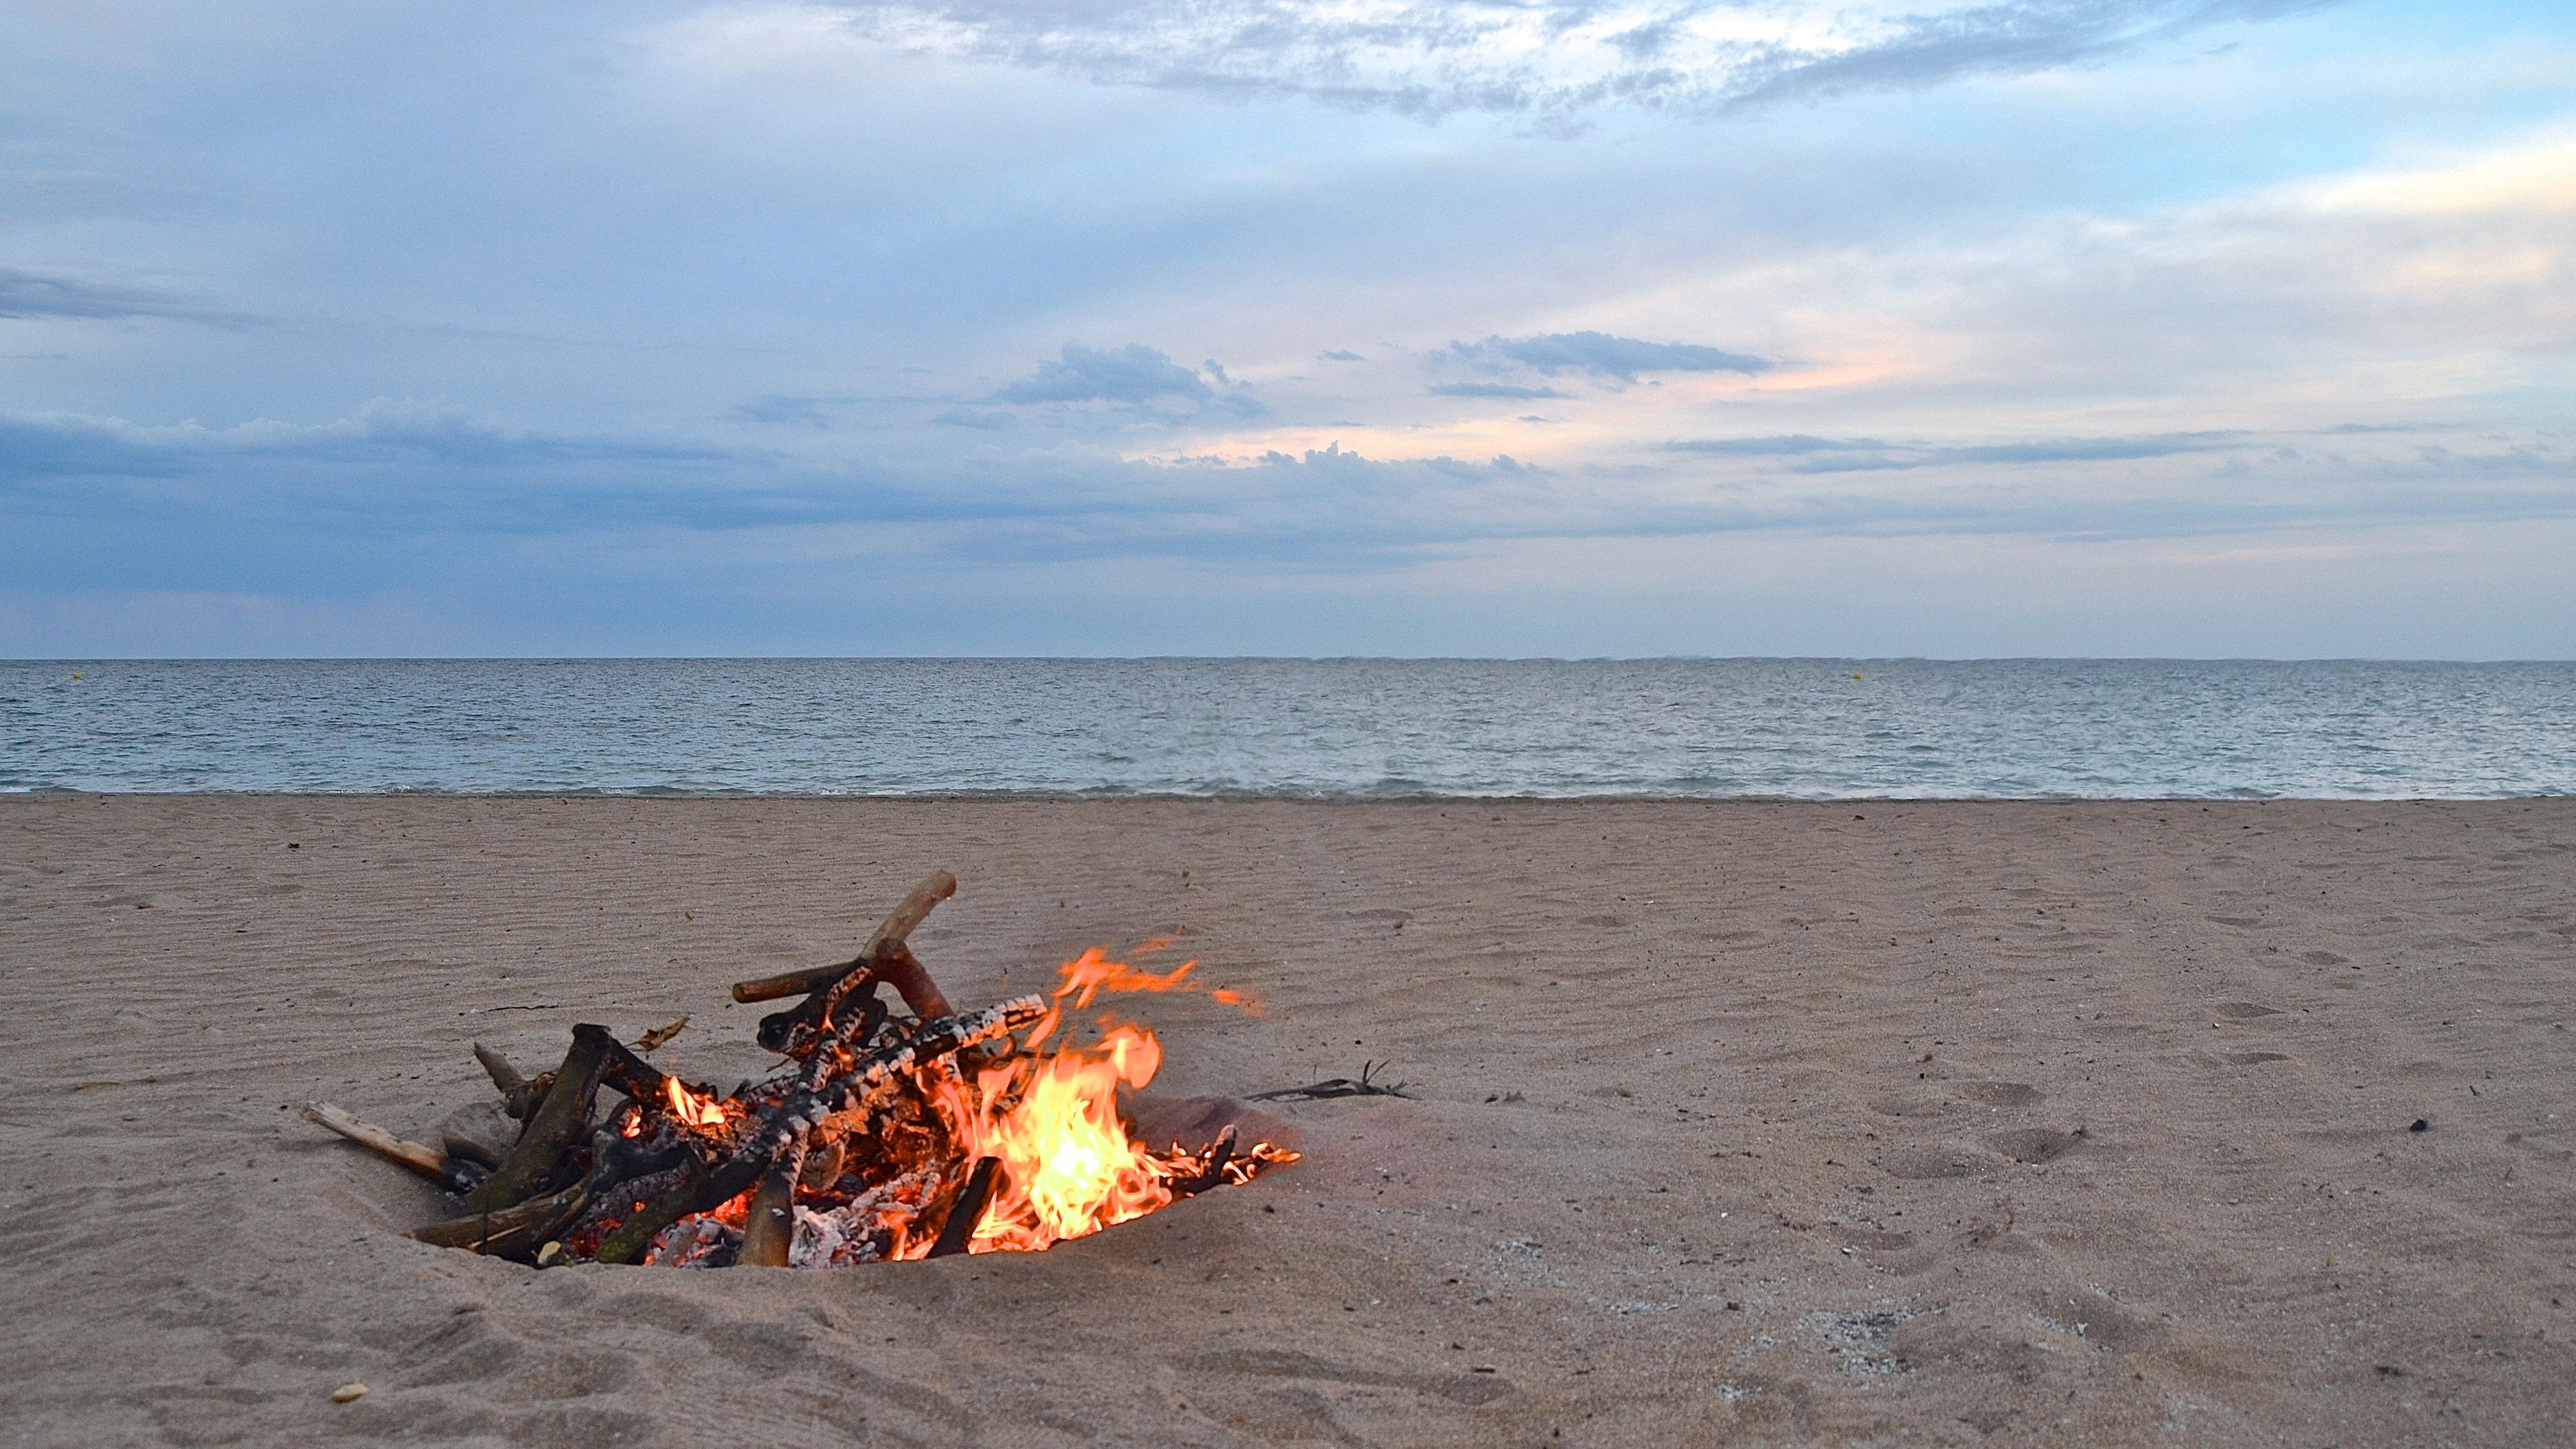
x=1068 y=1168
x=692 y=1109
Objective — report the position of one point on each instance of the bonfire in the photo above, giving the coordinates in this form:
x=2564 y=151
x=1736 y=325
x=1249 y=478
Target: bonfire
x=891 y=1131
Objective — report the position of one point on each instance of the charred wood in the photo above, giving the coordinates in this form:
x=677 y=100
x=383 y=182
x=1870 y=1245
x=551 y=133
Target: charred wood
x=513 y=1232
x=1335 y=1087
x=617 y=1160
x=823 y=1166
x=956 y=1233
x=622 y=1070
x=562 y=1119
x=790 y=1031
x=630 y=1238
x=1213 y=1174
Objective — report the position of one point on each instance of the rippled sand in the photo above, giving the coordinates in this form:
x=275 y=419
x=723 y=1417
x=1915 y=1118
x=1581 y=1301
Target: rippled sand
x=2008 y=1123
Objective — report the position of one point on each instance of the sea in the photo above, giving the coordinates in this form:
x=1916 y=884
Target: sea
x=1798 y=729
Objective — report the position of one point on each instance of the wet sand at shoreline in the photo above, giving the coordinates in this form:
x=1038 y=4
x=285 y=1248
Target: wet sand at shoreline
x=1729 y=1122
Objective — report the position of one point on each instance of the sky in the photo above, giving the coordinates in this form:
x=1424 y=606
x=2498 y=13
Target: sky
x=1289 y=327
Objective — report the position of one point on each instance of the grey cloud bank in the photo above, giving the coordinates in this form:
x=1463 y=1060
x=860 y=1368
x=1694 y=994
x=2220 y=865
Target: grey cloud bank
x=1857 y=455
x=28 y=295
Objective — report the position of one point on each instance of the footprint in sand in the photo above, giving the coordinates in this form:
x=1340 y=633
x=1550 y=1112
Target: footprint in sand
x=2034 y=1144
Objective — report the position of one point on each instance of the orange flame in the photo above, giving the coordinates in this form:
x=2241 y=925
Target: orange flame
x=1092 y=972
x=692 y=1109
x=1068 y=1167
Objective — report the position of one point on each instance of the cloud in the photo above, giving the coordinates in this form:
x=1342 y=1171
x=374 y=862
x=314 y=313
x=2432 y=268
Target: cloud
x=1869 y=455
x=85 y=502
x=1927 y=49
x=1492 y=389
x=1603 y=355
x=1786 y=445
x=54 y=446
x=1135 y=375
x=1338 y=355
x=1429 y=58
x=27 y=296
x=44 y=447
x=803 y=412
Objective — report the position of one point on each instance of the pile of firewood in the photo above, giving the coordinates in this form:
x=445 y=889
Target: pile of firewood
x=856 y=1150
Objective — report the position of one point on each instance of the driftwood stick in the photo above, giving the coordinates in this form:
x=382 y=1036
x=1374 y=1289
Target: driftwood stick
x=891 y=932
x=769 y=1229
x=469 y=1150
x=557 y=1124
x=898 y=925
x=519 y=1094
x=623 y=1070
x=899 y=968
x=959 y=1230
x=511 y=1232
x=429 y=1162
x=896 y=966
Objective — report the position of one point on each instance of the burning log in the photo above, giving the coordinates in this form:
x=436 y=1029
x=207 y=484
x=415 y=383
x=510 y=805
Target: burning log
x=769 y=1228
x=992 y=1125
x=823 y=1166
x=959 y=1231
x=633 y=1236
x=1212 y=1174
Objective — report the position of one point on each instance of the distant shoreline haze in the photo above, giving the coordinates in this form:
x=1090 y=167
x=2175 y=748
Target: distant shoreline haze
x=1305 y=728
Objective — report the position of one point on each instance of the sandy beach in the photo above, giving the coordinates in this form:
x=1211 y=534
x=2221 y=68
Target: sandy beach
x=1755 y=1123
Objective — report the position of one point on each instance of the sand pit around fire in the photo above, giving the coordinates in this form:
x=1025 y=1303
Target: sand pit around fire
x=1736 y=1122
